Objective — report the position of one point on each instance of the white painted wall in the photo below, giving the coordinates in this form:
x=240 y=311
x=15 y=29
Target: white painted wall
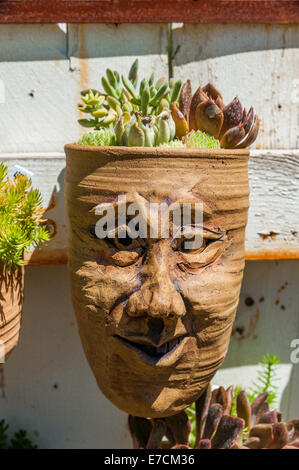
x=48 y=387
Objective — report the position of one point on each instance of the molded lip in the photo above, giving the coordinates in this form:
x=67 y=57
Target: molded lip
x=167 y=359
x=156 y=152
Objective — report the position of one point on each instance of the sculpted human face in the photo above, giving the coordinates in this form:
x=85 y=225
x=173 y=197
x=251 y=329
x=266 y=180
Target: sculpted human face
x=154 y=316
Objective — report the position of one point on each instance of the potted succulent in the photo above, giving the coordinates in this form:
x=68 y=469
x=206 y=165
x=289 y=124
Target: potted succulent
x=21 y=227
x=223 y=420
x=157 y=201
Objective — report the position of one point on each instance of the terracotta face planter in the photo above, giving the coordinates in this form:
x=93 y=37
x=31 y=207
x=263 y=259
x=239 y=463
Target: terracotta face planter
x=154 y=317
x=11 y=305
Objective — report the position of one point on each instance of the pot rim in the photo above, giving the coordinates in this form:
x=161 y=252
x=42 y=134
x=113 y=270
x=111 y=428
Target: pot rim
x=165 y=152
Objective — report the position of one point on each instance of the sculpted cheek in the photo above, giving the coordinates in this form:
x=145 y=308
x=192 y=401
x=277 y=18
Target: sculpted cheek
x=212 y=307
x=108 y=284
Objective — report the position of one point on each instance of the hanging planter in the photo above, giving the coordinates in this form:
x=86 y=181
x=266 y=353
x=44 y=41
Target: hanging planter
x=157 y=212
x=21 y=227
x=133 y=299
x=11 y=305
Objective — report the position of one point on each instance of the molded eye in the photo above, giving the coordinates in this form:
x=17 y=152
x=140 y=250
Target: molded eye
x=120 y=250
x=185 y=245
x=124 y=243
x=191 y=239
x=123 y=239
x=195 y=239
x=209 y=247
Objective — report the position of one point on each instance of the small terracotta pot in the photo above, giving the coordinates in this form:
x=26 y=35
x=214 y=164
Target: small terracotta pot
x=11 y=305
x=155 y=317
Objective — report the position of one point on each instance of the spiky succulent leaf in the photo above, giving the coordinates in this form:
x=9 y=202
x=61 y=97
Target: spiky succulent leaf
x=173 y=144
x=102 y=137
x=201 y=140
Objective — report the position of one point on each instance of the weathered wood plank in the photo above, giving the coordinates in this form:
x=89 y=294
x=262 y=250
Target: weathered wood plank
x=273 y=225
x=40 y=91
x=137 y=11
x=44 y=68
x=259 y=63
x=44 y=76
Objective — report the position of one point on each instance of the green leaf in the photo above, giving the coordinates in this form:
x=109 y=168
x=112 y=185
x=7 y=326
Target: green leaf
x=87 y=122
x=130 y=87
x=108 y=88
x=133 y=73
x=162 y=91
x=176 y=91
x=145 y=98
x=111 y=78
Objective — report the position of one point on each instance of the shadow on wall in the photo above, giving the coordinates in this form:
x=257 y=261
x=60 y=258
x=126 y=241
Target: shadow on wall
x=192 y=42
x=28 y=42
x=230 y=39
x=61 y=41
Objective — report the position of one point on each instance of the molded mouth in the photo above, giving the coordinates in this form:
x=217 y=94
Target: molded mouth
x=152 y=353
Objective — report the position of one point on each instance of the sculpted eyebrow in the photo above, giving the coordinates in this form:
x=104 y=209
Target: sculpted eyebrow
x=205 y=209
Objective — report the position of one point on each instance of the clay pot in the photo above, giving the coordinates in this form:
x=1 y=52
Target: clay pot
x=11 y=304
x=155 y=317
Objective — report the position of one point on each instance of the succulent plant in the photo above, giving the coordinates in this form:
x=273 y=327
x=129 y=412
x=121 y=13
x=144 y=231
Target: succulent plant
x=138 y=111
x=200 y=140
x=100 y=137
x=165 y=128
x=21 y=222
x=121 y=96
x=148 y=131
x=254 y=427
x=205 y=111
x=174 y=144
x=196 y=140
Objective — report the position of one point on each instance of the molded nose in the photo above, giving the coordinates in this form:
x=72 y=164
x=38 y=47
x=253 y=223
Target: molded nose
x=157 y=296
x=156 y=301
